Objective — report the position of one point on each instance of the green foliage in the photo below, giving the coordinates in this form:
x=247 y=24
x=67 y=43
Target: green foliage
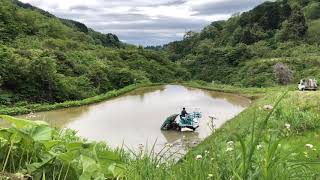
x=294 y=28
x=34 y=148
x=313 y=32
x=230 y=51
x=312 y=11
x=47 y=59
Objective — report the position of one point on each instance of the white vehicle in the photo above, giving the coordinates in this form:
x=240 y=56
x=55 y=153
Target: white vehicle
x=307 y=84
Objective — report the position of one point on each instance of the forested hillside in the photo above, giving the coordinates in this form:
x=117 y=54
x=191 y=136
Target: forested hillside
x=47 y=59
x=246 y=49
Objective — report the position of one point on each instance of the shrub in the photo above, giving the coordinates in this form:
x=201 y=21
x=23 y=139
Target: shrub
x=283 y=74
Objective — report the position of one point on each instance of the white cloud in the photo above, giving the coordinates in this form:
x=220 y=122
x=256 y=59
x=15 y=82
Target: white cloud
x=143 y=21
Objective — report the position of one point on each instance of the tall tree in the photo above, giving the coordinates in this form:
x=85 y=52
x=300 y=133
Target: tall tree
x=295 y=28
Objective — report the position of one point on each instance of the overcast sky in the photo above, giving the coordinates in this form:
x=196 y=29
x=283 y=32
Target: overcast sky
x=145 y=22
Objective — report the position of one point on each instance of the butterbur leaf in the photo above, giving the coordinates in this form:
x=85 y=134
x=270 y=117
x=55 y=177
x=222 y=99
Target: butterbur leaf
x=68 y=156
x=108 y=156
x=50 y=144
x=109 y=165
x=117 y=170
x=74 y=146
x=21 y=123
x=42 y=133
x=37 y=166
x=5 y=134
x=90 y=168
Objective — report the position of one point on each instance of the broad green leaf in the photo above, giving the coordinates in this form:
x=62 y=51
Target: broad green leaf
x=21 y=123
x=68 y=156
x=90 y=168
x=117 y=170
x=74 y=146
x=50 y=144
x=5 y=134
x=37 y=166
x=108 y=156
x=42 y=133
x=109 y=165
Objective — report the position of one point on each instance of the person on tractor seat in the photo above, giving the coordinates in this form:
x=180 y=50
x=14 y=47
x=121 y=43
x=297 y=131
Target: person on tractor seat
x=183 y=113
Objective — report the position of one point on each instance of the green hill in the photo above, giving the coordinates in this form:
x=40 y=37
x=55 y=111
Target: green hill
x=47 y=59
x=235 y=51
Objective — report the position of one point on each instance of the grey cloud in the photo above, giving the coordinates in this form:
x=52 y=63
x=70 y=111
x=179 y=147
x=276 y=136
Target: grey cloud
x=170 y=3
x=175 y=3
x=225 y=7
x=81 y=8
x=67 y=15
x=122 y=17
x=163 y=22
x=133 y=26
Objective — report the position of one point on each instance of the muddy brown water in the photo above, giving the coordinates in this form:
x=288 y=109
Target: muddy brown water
x=136 y=117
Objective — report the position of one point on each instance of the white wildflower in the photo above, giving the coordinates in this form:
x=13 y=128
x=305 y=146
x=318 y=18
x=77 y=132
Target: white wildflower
x=158 y=166
x=141 y=147
x=229 y=149
x=260 y=146
x=19 y=175
x=287 y=126
x=230 y=146
x=169 y=145
x=210 y=175
x=198 y=157
x=309 y=146
x=267 y=107
x=230 y=143
x=206 y=152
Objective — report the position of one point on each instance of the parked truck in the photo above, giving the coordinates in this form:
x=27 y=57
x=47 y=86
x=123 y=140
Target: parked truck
x=308 y=84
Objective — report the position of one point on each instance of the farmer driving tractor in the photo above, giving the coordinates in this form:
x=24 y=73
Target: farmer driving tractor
x=183 y=113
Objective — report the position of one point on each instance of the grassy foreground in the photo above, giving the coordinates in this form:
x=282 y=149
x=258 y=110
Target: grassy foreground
x=266 y=141
x=277 y=137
